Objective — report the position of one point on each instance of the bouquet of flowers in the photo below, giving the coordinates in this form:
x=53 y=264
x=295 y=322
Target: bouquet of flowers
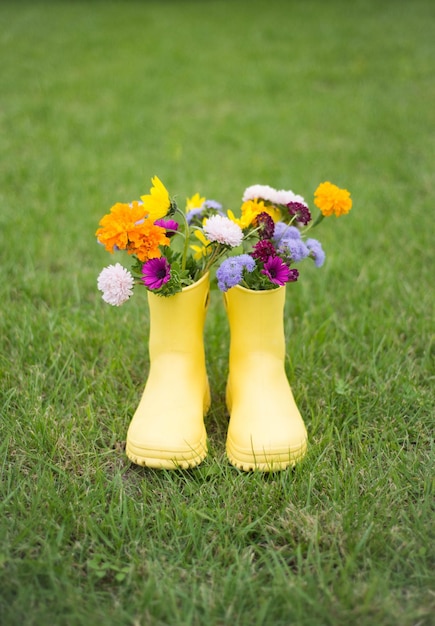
x=172 y=249
x=276 y=225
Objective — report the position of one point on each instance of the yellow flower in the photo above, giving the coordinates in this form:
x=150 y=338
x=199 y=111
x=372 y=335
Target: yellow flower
x=249 y=211
x=235 y=219
x=157 y=202
x=203 y=250
x=273 y=211
x=195 y=202
x=331 y=199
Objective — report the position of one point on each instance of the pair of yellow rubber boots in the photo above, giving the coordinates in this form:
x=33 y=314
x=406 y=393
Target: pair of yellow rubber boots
x=266 y=431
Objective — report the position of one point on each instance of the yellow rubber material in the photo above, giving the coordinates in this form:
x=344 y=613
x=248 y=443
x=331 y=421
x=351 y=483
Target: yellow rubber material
x=266 y=431
x=167 y=429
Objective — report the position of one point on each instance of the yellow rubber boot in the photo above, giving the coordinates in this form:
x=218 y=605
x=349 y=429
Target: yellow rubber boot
x=167 y=429
x=266 y=431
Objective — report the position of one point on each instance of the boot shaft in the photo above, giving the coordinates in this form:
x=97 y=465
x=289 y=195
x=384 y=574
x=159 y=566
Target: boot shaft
x=177 y=322
x=256 y=320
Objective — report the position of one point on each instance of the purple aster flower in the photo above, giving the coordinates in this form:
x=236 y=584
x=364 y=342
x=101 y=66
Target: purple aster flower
x=214 y=205
x=277 y=271
x=246 y=261
x=295 y=247
x=170 y=225
x=316 y=251
x=230 y=271
x=207 y=209
x=284 y=231
x=263 y=249
x=266 y=225
x=300 y=211
x=190 y=215
x=156 y=272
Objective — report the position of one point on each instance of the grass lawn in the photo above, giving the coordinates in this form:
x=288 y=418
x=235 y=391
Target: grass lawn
x=213 y=96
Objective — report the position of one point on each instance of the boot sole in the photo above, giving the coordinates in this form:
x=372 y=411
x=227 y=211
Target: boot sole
x=167 y=459
x=264 y=461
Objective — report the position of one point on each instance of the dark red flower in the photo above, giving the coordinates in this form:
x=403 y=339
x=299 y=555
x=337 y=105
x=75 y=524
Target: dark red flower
x=266 y=225
x=263 y=250
x=300 y=211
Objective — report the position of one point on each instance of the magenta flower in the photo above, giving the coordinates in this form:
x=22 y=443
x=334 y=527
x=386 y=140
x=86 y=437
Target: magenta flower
x=156 y=272
x=170 y=225
x=277 y=271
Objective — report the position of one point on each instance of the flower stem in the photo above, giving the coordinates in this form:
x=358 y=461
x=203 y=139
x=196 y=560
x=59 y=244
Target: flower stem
x=319 y=219
x=186 y=239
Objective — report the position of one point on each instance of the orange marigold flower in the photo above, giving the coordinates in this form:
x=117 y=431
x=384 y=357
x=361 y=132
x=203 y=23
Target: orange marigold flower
x=117 y=226
x=129 y=227
x=144 y=242
x=331 y=199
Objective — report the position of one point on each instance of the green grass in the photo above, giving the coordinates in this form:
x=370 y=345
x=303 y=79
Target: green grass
x=97 y=97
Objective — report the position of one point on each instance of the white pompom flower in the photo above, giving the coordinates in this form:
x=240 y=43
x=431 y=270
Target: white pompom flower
x=223 y=230
x=284 y=197
x=116 y=283
x=259 y=192
x=269 y=194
